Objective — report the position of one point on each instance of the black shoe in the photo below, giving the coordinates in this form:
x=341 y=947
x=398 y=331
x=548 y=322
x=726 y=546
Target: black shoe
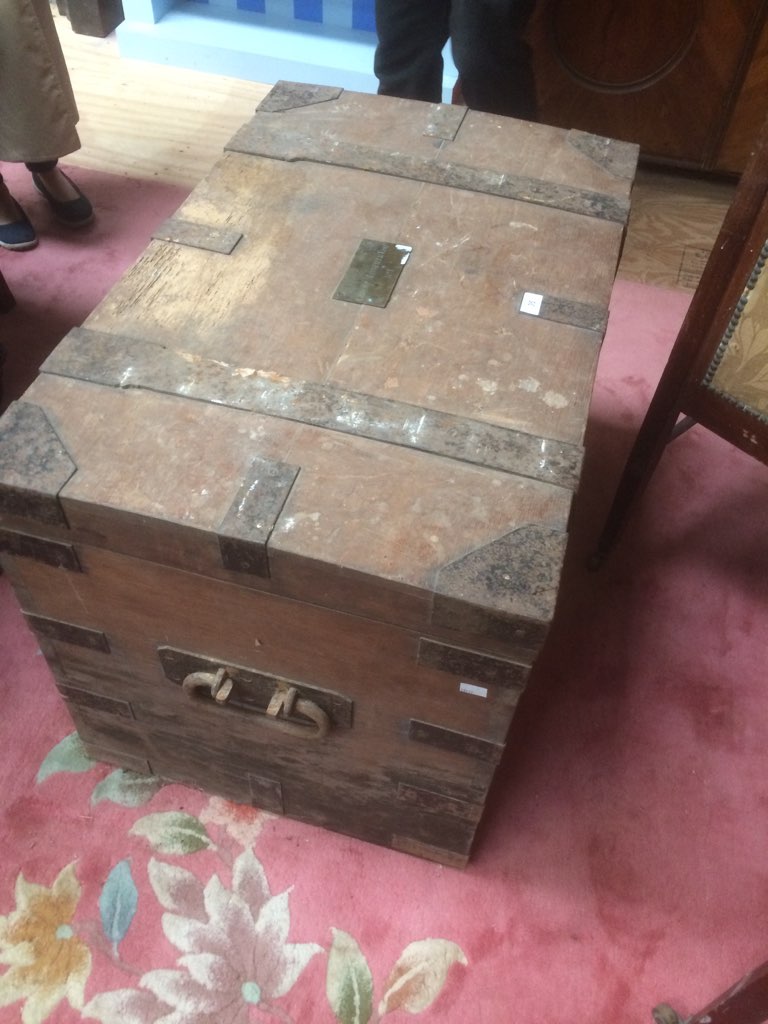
x=19 y=234
x=75 y=213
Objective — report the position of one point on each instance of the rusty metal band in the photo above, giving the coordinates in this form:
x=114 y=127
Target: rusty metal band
x=290 y=95
x=525 y=595
x=455 y=742
x=118 y=361
x=264 y=137
x=245 y=530
x=567 y=311
x=429 y=851
x=34 y=465
x=96 y=701
x=443 y=121
x=481 y=668
x=198 y=236
x=49 y=552
x=69 y=633
x=266 y=794
x=430 y=802
x=617 y=158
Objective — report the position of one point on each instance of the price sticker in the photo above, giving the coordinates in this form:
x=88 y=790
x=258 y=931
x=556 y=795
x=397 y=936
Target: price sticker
x=475 y=691
x=531 y=303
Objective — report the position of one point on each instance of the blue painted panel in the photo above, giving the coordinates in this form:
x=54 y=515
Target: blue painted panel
x=146 y=12
x=252 y=5
x=363 y=15
x=308 y=10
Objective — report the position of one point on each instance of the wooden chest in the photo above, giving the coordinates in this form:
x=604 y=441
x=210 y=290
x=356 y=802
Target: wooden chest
x=288 y=512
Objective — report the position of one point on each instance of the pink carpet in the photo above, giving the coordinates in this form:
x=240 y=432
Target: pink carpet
x=624 y=858
x=57 y=284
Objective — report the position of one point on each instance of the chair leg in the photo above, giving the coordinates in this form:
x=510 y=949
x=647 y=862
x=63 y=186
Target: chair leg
x=652 y=439
x=746 y=1002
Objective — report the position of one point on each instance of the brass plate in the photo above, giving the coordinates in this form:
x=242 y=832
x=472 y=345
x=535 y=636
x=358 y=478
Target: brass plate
x=373 y=273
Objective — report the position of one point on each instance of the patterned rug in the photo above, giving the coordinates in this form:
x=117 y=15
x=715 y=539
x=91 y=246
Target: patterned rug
x=622 y=861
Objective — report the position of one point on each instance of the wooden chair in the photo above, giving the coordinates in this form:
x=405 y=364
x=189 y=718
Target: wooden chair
x=717 y=373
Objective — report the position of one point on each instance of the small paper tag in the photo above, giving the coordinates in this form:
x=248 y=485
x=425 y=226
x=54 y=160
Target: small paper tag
x=531 y=303
x=475 y=691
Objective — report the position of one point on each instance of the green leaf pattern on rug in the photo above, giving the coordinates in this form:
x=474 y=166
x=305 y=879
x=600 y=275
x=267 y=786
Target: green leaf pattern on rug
x=349 y=983
x=173 y=832
x=118 y=902
x=418 y=977
x=129 y=789
x=234 y=954
x=414 y=983
x=67 y=756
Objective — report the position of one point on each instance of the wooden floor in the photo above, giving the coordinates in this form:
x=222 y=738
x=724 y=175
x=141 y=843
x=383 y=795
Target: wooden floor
x=151 y=121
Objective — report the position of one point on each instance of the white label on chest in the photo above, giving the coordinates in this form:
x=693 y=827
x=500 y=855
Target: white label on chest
x=531 y=303
x=471 y=688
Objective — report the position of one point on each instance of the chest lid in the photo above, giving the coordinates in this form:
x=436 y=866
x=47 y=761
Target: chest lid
x=354 y=369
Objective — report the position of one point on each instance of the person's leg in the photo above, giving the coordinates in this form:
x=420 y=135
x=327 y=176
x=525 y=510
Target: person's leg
x=491 y=56
x=55 y=181
x=8 y=205
x=411 y=35
x=16 y=231
x=68 y=203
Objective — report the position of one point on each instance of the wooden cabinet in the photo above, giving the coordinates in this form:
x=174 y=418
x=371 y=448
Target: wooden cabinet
x=685 y=79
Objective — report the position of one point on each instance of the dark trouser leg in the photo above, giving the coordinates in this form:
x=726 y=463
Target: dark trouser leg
x=408 y=60
x=493 y=61
x=41 y=166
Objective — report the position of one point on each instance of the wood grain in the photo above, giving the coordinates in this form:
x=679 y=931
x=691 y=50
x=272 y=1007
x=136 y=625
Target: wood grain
x=673 y=222
x=149 y=120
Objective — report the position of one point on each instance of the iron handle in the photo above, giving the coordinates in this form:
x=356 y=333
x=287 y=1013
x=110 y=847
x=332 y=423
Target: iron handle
x=285 y=700
x=218 y=684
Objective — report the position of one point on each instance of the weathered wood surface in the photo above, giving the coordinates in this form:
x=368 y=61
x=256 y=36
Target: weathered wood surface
x=455 y=307
x=141 y=608
x=120 y=361
x=449 y=145
x=391 y=515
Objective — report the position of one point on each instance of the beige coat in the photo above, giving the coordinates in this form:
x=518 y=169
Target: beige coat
x=37 y=107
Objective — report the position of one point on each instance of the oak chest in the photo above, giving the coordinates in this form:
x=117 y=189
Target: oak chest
x=288 y=511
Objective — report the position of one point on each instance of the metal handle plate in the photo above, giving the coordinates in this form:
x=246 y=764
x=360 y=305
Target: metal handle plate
x=285 y=701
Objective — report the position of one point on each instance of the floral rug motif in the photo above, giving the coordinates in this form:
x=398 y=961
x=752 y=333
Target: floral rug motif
x=230 y=942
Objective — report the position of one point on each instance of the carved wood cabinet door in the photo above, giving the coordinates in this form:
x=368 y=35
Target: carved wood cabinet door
x=685 y=79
